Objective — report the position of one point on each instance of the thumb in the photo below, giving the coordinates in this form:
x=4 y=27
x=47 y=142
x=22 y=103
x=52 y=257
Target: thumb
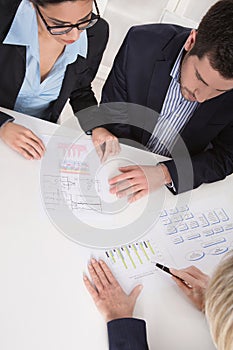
x=135 y=292
x=99 y=151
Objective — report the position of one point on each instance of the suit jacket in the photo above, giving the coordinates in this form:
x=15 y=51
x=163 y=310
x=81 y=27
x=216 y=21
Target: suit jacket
x=141 y=75
x=127 y=334
x=78 y=76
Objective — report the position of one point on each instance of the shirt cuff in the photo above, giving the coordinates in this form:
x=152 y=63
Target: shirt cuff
x=171 y=186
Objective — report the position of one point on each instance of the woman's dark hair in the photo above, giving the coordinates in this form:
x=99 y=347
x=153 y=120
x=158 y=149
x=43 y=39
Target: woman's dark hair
x=215 y=38
x=47 y=2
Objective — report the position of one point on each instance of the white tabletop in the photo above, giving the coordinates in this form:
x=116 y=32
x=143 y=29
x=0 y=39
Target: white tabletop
x=43 y=303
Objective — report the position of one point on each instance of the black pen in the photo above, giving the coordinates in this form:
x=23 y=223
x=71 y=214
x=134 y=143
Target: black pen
x=166 y=269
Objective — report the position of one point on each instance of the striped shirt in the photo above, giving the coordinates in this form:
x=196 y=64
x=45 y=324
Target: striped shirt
x=175 y=114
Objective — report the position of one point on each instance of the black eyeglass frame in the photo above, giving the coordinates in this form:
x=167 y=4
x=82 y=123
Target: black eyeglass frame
x=92 y=21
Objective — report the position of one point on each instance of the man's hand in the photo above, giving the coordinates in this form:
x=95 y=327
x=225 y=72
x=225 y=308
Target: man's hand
x=138 y=181
x=22 y=140
x=195 y=286
x=109 y=297
x=106 y=144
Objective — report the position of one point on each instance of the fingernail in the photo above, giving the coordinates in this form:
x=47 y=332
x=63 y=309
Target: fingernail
x=93 y=261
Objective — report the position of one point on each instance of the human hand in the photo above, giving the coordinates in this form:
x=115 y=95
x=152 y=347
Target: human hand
x=195 y=285
x=22 y=140
x=137 y=181
x=106 y=144
x=109 y=297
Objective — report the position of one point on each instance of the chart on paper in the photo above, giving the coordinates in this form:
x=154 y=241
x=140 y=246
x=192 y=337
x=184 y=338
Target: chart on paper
x=76 y=180
x=136 y=260
x=197 y=237
x=71 y=182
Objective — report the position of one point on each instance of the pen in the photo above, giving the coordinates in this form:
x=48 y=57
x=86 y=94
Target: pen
x=166 y=269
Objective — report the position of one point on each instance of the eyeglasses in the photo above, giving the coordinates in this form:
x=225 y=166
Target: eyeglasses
x=59 y=30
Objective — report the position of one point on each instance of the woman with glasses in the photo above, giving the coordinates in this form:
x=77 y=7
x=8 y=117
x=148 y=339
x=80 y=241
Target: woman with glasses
x=50 y=51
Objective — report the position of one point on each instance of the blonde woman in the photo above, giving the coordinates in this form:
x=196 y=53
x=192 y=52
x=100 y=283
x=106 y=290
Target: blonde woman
x=214 y=296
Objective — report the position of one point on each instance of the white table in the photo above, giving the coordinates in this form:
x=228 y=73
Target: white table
x=43 y=303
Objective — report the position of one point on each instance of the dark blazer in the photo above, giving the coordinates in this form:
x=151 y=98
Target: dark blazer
x=141 y=75
x=78 y=76
x=127 y=334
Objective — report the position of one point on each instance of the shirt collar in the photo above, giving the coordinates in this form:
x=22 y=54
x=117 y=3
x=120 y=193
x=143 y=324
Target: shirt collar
x=21 y=32
x=79 y=47
x=175 y=72
x=24 y=26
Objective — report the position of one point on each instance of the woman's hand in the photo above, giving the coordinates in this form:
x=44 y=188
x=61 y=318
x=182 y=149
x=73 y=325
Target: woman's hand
x=22 y=140
x=109 y=297
x=106 y=144
x=195 y=284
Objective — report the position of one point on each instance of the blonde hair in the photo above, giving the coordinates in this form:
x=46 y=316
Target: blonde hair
x=219 y=304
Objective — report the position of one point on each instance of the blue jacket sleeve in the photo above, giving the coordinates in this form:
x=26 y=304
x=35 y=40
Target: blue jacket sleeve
x=127 y=334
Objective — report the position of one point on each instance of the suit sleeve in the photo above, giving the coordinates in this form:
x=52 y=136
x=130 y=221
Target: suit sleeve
x=112 y=112
x=212 y=164
x=114 y=107
x=5 y=118
x=127 y=334
x=82 y=95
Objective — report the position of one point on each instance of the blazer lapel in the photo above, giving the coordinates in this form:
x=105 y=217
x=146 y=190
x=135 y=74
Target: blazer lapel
x=159 y=84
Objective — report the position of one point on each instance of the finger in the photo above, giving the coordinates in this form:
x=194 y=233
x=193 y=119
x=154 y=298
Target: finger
x=184 y=275
x=128 y=168
x=137 y=196
x=25 y=140
x=194 y=272
x=135 y=293
x=90 y=288
x=40 y=143
x=99 y=150
x=121 y=177
x=121 y=186
x=195 y=295
x=31 y=150
x=22 y=152
x=100 y=272
x=184 y=287
x=116 y=146
x=108 y=150
x=119 y=147
x=108 y=273
x=32 y=136
x=130 y=191
x=112 y=147
x=95 y=278
x=37 y=147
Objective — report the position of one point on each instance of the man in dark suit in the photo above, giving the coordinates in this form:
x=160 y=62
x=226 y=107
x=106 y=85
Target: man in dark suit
x=186 y=76
x=50 y=51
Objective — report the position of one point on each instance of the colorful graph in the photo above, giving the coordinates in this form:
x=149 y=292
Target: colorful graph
x=134 y=256
x=70 y=166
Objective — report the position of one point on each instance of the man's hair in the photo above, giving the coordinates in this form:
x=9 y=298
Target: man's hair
x=219 y=304
x=215 y=38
